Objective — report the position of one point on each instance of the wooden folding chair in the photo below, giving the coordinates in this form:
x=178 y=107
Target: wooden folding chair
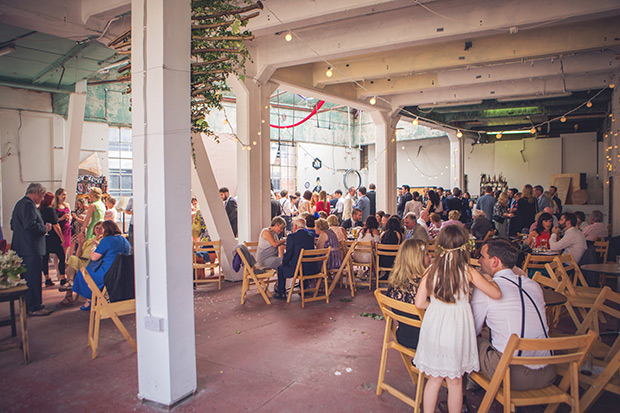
x=363 y=247
x=319 y=257
x=573 y=349
x=336 y=275
x=252 y=246
x=489 y=235
x=601 y=246
x=200 y=265
x=388 y=307
x=432 y=249
x=536 y=262
x=101 y=308
x=384 y=250
x=566 y=263
x=260 y=280
x=606 y=359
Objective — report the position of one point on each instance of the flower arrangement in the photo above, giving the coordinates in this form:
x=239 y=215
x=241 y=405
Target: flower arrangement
x=10 y=268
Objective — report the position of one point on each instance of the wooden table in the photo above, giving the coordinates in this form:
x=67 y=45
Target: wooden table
x=10 y=295
x=610 y=268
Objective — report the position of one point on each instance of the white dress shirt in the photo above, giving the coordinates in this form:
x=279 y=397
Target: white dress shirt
x=595 y=231
x=423 y=224
x=348 y=207
x=288 y=209
x=504 y=317
x=573 y=242
x=339 y=206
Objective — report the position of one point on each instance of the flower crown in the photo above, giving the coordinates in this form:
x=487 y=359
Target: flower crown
x=469 y=245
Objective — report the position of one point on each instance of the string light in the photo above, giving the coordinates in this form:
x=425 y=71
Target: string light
x=459 y=134
x=288 y=37
x=373 y=100
x=254 y=143
x=416 y=122
x=225 y=122
x=499 y=135
x=329 y=72
x=589 y=104
x=563 y=119
x=259 y=133
x=533 y=131
x=249 y=148
x=243 y=147
x=611 y=86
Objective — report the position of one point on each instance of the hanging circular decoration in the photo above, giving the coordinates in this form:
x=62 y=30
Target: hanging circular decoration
x=307 y=185
x=317 y=164
x=350 y=176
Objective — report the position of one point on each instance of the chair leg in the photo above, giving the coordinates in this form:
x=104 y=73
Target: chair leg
x=383 y=362
x=91 y=320
x=290 y=292
x=244 y=287
x=326 y=290
x=95 y=341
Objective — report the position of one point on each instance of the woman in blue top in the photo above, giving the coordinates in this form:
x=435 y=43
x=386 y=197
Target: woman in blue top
x=112 y=244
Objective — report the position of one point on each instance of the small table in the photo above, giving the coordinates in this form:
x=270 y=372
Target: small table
x=10 y=295
x=553 y=298
x=607 y=268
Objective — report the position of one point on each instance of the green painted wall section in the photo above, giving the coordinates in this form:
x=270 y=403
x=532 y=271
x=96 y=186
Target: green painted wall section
x=104 y=103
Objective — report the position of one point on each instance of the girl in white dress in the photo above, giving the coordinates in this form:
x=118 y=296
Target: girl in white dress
x=447 y=347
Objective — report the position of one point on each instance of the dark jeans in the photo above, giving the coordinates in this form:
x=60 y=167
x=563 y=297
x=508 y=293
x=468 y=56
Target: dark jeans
x=33 y=280
x=60 y=253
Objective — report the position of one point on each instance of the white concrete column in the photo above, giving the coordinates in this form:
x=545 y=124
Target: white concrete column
x=612 y=161
x=457 y=160
x=162 y=219
x=385 y=152
x=73 y=140
x=212 y=207
x=254 y=176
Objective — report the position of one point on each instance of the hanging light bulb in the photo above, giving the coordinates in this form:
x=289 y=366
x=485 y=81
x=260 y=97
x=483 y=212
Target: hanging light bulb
x=533 y=130
x=249 y=148
x=225 y=122
x=459 y=134
x=329 y=72
x=499 y=135
x=288 y=37
x=243 y=147
x=416 y=122
x=589 y=104
x=373 y=100
x=611 y=86
x=262 y=121
x=563 y=119
x=259 y=133
x=254 y=143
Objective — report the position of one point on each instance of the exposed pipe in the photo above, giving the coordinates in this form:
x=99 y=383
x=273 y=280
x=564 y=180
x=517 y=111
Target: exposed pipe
x=35 y=87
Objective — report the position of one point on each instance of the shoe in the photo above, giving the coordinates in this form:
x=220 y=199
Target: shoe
x=67 y=286
x=278 y=296
x=63 y=281
x=39 y=313
x=49 y=283
x=85 y=307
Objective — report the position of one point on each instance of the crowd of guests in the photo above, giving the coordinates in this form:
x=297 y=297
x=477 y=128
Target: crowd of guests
x=44 y=226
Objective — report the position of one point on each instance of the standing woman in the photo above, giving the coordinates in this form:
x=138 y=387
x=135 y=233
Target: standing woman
x=81 y=205
x=53 y=241
x=304 y=203
x=502 y=215
x=63 y=211
x=323 y=205
x=526 y=208
x=95 y=212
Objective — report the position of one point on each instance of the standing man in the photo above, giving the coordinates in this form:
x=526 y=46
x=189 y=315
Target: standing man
x=363 y=203
x=339 y=207
x=487 y=201
x=29 y=243
x=231 y=208
x=553 y=190
x=372 y=195
x=407 y=196
x=348 y=204
x=543 y=201
x=521 y=311
x=295 y=242
x=288 y=208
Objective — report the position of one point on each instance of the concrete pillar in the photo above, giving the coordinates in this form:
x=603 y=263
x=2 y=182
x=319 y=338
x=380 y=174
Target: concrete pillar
x=73 y=140
x=457 y=160
x=253 y=163
x=162 y=219
x=212 y=207
x=612 y=161
x=385 y=152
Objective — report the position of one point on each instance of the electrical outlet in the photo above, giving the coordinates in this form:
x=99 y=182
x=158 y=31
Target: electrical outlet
x=154 y=323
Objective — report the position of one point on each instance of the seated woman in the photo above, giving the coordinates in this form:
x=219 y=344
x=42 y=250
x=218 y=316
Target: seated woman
x=393 y=235
x=76 y=262
x=269 y=253
x=539 y=236
x=101 y=259
x=370 y=232
x=481 y=225
x=334 y=225
x=328 y=238
x=454 y=217
x=435 y=225
x=409 y=266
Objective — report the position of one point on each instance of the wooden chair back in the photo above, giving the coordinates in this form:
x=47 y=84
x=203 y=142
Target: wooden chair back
x=489 y=235
x=536 y=261
x=384 y=250
x=250 y=277
x=563 y=350
x=566 y=263
x=601 y=246
x=252 y=246
x=388 y=308
x=363 y=247
x=214 y=250
x=318 y=257
x=432 y=249
x=101 y=308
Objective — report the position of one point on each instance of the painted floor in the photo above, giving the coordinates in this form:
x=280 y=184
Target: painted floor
x=251 y=357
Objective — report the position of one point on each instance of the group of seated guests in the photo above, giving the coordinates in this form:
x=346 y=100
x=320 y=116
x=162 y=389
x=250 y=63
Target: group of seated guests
x=449 y=343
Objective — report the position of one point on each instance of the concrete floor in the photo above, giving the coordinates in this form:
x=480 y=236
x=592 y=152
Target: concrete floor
x=252 y=357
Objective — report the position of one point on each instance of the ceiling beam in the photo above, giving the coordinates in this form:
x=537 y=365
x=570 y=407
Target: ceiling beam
x=74 y=51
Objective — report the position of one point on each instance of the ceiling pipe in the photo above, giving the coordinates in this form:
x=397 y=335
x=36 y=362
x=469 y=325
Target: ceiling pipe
x=35 y=87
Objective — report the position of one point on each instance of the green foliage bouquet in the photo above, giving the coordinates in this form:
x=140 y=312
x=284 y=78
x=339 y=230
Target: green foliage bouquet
x=10 y=268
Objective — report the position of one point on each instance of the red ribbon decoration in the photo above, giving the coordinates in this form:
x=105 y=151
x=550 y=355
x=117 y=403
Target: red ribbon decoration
x=314 y=111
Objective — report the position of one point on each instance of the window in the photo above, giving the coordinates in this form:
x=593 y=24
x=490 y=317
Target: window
x=120 y=161
x=283 y=167
x=364 y=157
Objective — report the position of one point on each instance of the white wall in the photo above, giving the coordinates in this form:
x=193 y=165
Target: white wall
x=32 y=142
x=336 y=160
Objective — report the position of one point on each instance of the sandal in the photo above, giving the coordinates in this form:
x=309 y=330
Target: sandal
x=66 y=302
x=85 y=307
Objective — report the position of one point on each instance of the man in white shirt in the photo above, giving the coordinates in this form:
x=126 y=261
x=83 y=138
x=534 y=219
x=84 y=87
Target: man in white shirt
x=514 y=313
x=422 y=221
x=596 y=229
x=348 y=204
x=288 y=208
x=573 y=241
x=339 y=209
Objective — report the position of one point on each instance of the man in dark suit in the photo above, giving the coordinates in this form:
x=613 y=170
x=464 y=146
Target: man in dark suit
x=406 y=197
x=354 y=221
x=29 y=243
x=295 y=242
x=231 y=208
x=372 y=195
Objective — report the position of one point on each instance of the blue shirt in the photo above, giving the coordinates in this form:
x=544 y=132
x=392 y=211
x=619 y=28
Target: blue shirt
x=363 y=204
x=486 y=203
